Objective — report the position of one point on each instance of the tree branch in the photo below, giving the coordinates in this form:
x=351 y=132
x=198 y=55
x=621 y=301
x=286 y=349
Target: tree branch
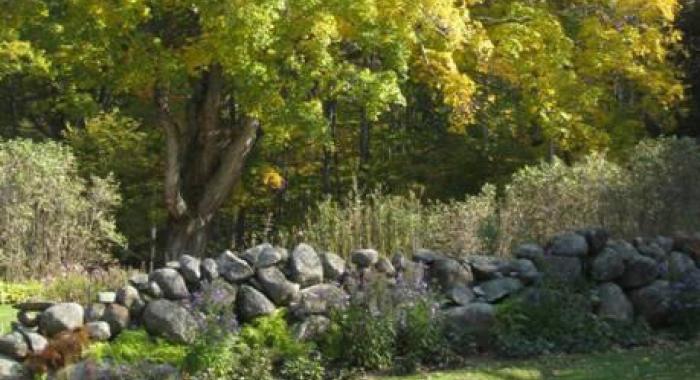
x=230 y=169
x=174 y=202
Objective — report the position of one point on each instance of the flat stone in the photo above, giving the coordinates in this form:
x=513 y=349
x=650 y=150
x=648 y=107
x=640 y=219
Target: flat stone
x=364 y=258
x=529 y=251
x=106 y=297
x=449 y=273
x=426 y=256
x=497 y=289
x=139 y=281
x=34 y=305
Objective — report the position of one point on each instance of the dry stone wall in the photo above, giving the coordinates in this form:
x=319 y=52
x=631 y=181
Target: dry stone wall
x=634 y=279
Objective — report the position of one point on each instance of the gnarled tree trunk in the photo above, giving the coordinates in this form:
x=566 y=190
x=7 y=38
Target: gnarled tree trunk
x=204 y=160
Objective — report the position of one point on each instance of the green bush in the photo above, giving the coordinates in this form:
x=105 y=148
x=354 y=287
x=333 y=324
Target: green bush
x=134 y=346
x=358 y=338
x=421 y=339
x=558 y=319
x=264 y=349
x=654 y=190
x=49 y=215
x=82 y=287
x=15 y=292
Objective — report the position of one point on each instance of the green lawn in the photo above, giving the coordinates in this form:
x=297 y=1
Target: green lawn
x=7 y=316
x=678 y=362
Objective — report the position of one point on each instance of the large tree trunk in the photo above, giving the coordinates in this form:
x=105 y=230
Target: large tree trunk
x=204 y=161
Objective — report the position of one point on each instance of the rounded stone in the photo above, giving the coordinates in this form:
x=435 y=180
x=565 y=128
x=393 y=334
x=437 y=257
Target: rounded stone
x=364 y=258
x=61 y=317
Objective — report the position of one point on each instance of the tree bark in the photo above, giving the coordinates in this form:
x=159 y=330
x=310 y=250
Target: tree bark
x=204 y=161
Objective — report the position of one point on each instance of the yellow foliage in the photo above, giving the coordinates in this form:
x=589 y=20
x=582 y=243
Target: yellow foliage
x=272 y=179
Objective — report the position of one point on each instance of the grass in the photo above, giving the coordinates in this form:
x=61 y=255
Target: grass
x=7 y=316
x=663 y=362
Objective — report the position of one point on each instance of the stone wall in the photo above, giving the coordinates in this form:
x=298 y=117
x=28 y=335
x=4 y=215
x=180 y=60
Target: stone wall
x=633 y=279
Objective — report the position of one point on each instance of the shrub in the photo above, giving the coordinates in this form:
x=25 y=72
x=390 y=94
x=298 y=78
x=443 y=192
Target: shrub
x=12 y=292
x=421 y=338
x=264 y=349
x=685 y=307
x=391 y=223
x=134 y=346
x=555 y=318
x=78 y=285
x=361 y=339
x=654 y=190
x=48 y=213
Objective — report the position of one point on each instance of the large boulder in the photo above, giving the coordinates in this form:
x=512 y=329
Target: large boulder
x=209 y=269
x=522 y=269
x=252 y=255
x=171 y=283
x=596 y=237
x=233 y=268
x=426 y=256
x=219 y=294
x=139 y=281
x=529 y=251
x=613 y=304
x=305 y=266
x=320 y=299
x=653 y=250
x=476 y=318
x=569 y=244
x=117 y=316
x=653 y=302
x=460 y=295
x=678 y=265
x=497 y=289
x=12 y=370
x=608 y=265
x=563 y=269
x=485 y=267
x=169 y=320
x=276 y=286
x=333 y=266
x=364 y=258
x=252 y=303
x=190 y=268
x=14 y=345
x=271 y=256
x=61 y=317
x=639 y=271
x=449 y=273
